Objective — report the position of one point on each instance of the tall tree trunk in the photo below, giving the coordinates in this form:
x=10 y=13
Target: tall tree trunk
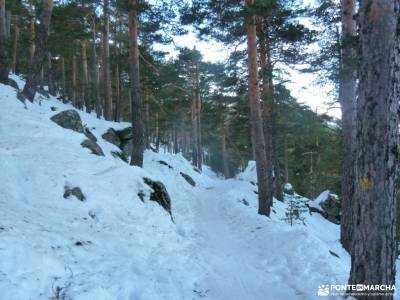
x=117 y=115
x=50 y=77
x=266 y=74
x=373 y=251
x=256 y=122
x=195 y=155
x=225 y=162
x=106 y=63
x=347 y=99
x=277 y=171
x=15 y=46
x=117 y=112
x=3 y=44
x=147 y=118
x=286 y=161
x=175 y=133
x=182 y=133
x=40 y=51
x=63 y=80
x=73 y=73
x=95 y=71
x=198 y=120
x=32 y=31
x=85 y=75
x=136 y=102
x=8 y=24
x=157 y=133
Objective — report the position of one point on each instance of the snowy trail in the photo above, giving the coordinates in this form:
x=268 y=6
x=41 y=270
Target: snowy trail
x=237 y=257
x=254 y=257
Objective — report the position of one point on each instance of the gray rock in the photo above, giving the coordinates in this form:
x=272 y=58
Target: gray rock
x=127 y=148
x=165 y=164
x=188 y=179
x=90 y=135
x=331 y=207
x=125 y=134
x=159 y=194
x=112 y=137
x=92 y=146
x=121 y=155
x=244 y=201
x=69 y=119
x=288 y=189
x=13 y=84
x=76 y=191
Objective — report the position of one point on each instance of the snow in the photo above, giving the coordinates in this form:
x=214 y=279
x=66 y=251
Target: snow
x=288 y=186
x=316 y=203
x=114 y=246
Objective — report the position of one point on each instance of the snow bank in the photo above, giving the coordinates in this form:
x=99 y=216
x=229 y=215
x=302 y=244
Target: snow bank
x=114 y=246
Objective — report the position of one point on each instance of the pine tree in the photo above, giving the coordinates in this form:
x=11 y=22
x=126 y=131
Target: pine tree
x=3 y=44
x=39 y=55
x=347 y=99
x=136 y=102
x=373 y=249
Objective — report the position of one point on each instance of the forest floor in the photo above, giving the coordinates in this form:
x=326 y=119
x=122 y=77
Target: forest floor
x=114 y=246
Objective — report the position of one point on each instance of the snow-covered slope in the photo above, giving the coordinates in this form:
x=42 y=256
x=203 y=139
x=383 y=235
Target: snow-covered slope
x=114 y=246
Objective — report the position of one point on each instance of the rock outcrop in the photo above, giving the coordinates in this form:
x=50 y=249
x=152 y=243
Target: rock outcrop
x=69 y=119
x=92 y=146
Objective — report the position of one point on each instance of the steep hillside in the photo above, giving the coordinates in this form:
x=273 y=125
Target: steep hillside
x=115 y=246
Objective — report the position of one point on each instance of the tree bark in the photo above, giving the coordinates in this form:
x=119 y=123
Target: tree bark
x=117 y=112
x=73 y=73
x=95 y=71
x=157 y=133
x=256 y=121
x=198 y=120
x=225 y=162
x=286 y=161
x=136 y=102
x=3 y=44
x=347 y=99
x=106 y=63
x=373 y=251
x=85 y=75
x=117 y=115
x=8 y=25
x=63 y=80
x=40 y=51
x=147 y=118
x=15 y=46
x=266 y=73
x=50 y=77
x=32 y=31
x=195 y=155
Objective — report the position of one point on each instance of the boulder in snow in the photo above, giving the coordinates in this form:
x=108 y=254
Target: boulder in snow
x=188 y=179
x=159 y=194
x=112 y=137
x=328 y=205
x=92 y=146
x=165 y=164
x=76 y=191
x=125 y=134
x=90 y=135
x=69 y=119
x=288 y=189
x=127 y=147
x=121 y=155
